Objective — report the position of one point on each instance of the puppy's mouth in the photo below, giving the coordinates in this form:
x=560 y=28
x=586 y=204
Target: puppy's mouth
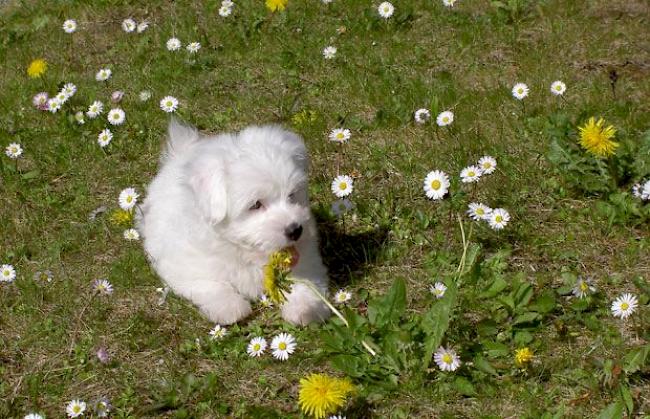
x=295 y=256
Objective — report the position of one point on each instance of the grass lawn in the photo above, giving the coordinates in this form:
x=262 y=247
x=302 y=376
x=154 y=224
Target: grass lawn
x=506 y=290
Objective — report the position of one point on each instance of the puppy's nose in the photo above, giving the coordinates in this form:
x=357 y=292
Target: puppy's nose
x=293 y=231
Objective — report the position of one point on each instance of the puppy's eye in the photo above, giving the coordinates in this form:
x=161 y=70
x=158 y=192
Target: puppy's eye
x=292 y=197
x=257 y=205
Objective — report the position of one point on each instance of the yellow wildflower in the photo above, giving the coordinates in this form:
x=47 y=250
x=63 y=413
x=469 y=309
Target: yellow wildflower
x=37 y=68
x=523 y=356
x=321 y=395
x=121 y=217
x=276 y=275
x=597 y=139
x=275 y=5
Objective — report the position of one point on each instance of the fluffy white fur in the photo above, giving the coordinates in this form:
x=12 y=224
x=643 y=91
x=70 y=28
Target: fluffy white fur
x=203 y=234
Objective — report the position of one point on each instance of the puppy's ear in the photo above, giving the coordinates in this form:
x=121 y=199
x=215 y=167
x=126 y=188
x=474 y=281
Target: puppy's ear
x=207 y=178
x=180 y=139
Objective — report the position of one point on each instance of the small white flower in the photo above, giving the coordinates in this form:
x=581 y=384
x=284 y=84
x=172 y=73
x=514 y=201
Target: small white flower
x=256 y=347
x=103 y=74
x=53 y=105
x=478 y=211
x=128 y=198
x=131 y=234
x=624 y=305
x=642 y=190
x=169 y=104
x=340 y=135
x=95 y=109
x=498 y=218
x=327 y=1
x=7 y=273
x=227 y=3
x=128 y=25
x=520 y=91
x=329 y=52
x=75 y=408
x=341 y=206
x=225 y=11
x=386 y=10
x=282 y=346
x=558 y=88
x=14 y=150
x=79 y=117
x=336 y=416
x=61 y=97
x=449 y=3
x=445 y=118
x=218 y=332
x=436 y=185
x=69 y=89
x=265 y=301
x=342 y=185
x=438 y=289
x=173 y=44
x=70 y=25
x=142 y=26
x=144 y=95
x=40 y=100
x=103 y=287
x=487 y=164
x=342 y=296
x=422 y=116
x=116 y=116
x=104 y=138
x=446 y=359
x=193 y=47
x=33 y=416
x=583 y=287
x=471 y=174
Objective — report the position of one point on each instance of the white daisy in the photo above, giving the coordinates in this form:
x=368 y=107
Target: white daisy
x=487 y=164
x=558 y=88
x=53 y=105
x=422 y=116
x=14 y=150
x=329 y=52
x=583 y=287
x=342 y=185
x=128 y=198
x=40 y=100
x=256 y=347
x=7 y=273
x=169 y=104
x=116 y=116
x=131 y=234
x=193 y=47
x=327 y=1
x=438 y=289
x=69 y=89
x=478 y=211
x=636 y=190
x=173 y=44
x=225 y=11
x=386 y=10
x=520 y=91
x=142 y=26
x=75 y=408
x=33 y=416
x=342 y=296
x=282 y=346
x=218 y=332
x=128 y=25
x=103 y=287
x=227 y=3
x=446 y=359
x=79 y=117
x=624 y=305
x=69 y=26
x=144 y=95
x=104 y=138
x=117 y=96
x=95 y=109
x=61 y=97
x=340 y=135
x=102 y=407
x=103 y=74
x=642 y=190
x=471 y=174
x=341 y=206
x=445 y=118
x=449 y=3
x=498 y=218
x=436 y=184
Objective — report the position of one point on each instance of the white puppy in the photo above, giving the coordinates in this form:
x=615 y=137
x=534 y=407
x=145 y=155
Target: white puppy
x=219 y=206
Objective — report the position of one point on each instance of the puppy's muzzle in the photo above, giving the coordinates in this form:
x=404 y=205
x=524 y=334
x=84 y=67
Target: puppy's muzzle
x=293 y=231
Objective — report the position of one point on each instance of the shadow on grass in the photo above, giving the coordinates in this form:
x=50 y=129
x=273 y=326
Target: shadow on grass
x=348 y=255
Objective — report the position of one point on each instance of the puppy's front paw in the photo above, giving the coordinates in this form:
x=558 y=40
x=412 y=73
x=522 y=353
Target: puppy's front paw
x=227 y=309
x=303 y=307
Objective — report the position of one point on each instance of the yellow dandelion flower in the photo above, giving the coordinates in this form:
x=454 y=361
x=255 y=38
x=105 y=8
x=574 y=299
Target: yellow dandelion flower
x=523 y=356
x=321 y=395
x=37 y=68
x=275 y=5
x=597 y=139
x=276 y=275
x=121 y=217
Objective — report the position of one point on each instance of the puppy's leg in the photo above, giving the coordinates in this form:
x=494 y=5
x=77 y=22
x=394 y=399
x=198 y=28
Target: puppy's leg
x=218 y=301
x=303 y=306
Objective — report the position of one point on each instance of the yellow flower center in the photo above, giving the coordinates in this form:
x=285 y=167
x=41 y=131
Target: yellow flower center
x=339 y=135
x=487 y=165
x=471 y=174
x=76 y=408
x=445 y=119
x=169 y=104
x=386 y=9
x=520 y=91
x=498 y=218
x=625 y=306
x=447 y=359
x=583 y=286
x=6 y=272
x=129 y=199
x=343 y=186
x=282 y=346
x=435 y=184
x=257 y=347
x=480 y=211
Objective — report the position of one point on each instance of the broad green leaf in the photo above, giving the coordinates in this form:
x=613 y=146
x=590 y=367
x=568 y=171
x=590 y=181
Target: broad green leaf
x=498 y=285
x=436 y=321
x=464 y=386
x=627 y=399
x=528 y=317
x=613 y=411
x=482 y=364
x=636 y=359
x=544 y=304
x=382 y=311
x=347 y=363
